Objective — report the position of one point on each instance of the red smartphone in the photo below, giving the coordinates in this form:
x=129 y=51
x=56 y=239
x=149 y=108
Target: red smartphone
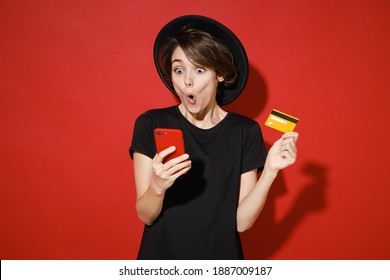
x=166 y=137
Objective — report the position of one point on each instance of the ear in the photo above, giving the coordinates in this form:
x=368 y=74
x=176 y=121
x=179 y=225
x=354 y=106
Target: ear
x=220 y=78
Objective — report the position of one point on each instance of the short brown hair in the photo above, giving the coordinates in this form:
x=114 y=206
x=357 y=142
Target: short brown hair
x=202 y=49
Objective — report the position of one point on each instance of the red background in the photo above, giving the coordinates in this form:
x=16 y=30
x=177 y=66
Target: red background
x=74 y=75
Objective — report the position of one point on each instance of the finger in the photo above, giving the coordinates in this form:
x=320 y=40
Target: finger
x=181 y=172
x=173 y=173
x=167 y=151
x=279 y=142
x=176 y=160
x=289 y=145
x=293 y=135
x=285 y=137
x=289 y=157
x=179 y=167
x=289 y=149
x=160 y=156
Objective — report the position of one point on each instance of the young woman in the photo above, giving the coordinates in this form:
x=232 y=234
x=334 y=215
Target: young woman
x=195 y=205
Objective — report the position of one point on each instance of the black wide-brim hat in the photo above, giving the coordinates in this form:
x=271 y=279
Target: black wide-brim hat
x=224 y=35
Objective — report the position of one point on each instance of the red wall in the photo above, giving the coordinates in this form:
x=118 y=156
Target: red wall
x=74 y=75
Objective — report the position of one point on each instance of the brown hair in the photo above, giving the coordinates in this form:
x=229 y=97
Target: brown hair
x=202 y=49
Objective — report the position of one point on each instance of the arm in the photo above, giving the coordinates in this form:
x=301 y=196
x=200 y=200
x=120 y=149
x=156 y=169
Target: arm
x=253 y=192
x=153 y=178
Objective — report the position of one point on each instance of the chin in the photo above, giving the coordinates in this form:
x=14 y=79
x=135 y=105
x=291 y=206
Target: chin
x=192 y=109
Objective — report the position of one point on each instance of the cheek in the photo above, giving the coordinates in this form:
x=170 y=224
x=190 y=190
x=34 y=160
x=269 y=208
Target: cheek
x=176 y=82
x=213 y=84
x=208 y=82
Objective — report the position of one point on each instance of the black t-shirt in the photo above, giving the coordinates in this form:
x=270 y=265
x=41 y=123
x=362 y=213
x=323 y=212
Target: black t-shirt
x=198 y=219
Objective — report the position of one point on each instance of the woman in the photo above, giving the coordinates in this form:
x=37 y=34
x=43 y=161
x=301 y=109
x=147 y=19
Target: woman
x=195 y=205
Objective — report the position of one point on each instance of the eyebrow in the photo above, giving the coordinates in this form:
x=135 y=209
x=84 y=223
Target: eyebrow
x=176 y=60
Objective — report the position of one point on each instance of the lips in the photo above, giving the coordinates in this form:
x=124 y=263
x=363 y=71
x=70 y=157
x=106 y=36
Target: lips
x=191 y=99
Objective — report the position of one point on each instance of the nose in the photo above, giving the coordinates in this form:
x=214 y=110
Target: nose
x=188 y=80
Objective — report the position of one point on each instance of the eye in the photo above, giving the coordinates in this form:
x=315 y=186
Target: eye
x=200 y=70
x=178 y=70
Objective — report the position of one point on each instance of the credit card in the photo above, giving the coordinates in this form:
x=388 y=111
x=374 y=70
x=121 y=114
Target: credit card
x=281 y=121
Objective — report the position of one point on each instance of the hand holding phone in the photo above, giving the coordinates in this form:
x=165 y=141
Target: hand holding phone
x=164 y=175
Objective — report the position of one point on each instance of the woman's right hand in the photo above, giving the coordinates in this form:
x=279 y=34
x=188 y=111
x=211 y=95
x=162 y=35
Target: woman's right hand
x=165 y=174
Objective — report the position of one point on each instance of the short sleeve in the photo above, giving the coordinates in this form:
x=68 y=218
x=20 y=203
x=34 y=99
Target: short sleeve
x=253 y=151
x=143 y=141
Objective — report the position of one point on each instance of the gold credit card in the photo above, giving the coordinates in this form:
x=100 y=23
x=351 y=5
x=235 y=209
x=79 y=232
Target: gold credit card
x=281 y=121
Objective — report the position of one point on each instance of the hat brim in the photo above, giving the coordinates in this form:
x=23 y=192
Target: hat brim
x=224 y=35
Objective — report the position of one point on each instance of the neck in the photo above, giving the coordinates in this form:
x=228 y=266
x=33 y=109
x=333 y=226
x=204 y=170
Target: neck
x=204 y=119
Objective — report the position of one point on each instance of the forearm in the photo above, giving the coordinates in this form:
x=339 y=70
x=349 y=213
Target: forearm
x=149 y=205
x=251 y=206
x=153 y=178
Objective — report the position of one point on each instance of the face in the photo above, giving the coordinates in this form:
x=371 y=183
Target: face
x=195 y=85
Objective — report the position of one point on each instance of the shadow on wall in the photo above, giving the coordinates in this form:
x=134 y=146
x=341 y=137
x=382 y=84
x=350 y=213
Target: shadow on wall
x=268 y=235
x=253 y=99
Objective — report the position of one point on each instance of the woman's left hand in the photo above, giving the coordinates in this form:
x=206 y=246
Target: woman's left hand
x=283 y=153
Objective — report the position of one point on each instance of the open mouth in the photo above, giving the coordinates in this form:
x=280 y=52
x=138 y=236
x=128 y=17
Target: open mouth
x=191 y=99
